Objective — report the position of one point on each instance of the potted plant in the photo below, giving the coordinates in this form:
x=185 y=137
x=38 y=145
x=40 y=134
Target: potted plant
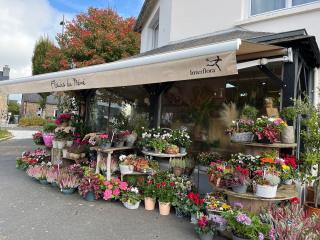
x=215 y=205
x=126 y=164
x=63 y=119
x=194 y=205
x=267 y=130
x=249 y=112
x=52 y=176
x=131 y=198
x=266 y=183
x=60 y=137
x=104 y=141
x=182 y=139
x=287 y=133
x=205 y=158
x=158 y=144
x=165 y=195
x=67 y=182
x=69 y=139
x=149 y=193
x=38 y=138
x=240 y=179
x=90 y=187
x=48 y=133
x=120 y=138
x=204 y=228
x=131 y=139
x=245 y=225
x=113 y=189
x=216 y=171
x=241 y=131
x=178 y=165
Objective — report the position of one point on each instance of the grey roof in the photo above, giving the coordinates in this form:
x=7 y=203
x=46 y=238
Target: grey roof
x=144 y=14
x=35 y=98
x=216 y=37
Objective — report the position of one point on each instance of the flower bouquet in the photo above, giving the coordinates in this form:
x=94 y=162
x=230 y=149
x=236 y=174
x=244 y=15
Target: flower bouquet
x=113 y=189
x=131 y=198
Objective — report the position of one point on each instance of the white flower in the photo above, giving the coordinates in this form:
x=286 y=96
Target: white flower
x=135 y=190
x=122 y=157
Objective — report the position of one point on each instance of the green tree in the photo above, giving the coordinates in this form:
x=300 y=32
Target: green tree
x=14 y=107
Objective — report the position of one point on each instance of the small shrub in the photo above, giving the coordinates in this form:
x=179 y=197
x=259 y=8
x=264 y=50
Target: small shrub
x=31 y=121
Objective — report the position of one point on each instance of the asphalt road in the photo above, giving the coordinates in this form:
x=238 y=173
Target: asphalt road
x=29 y=210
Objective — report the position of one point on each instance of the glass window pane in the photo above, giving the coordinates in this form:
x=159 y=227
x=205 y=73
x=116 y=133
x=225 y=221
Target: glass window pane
x=262 y=6
x=299 y=2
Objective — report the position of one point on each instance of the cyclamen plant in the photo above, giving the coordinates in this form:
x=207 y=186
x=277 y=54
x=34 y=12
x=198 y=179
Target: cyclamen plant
x=204 y=226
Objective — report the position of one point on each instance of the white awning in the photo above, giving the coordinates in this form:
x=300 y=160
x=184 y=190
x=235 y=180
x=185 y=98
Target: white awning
x=214 y=60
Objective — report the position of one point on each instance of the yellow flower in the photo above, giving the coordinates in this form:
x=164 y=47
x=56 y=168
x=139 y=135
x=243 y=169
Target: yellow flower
x=285 y=167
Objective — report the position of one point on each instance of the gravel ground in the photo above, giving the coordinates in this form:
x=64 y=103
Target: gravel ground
x=29 y=210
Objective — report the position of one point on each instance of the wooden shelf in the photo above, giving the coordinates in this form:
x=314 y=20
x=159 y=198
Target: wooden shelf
x=273 y=145
x=164 y=155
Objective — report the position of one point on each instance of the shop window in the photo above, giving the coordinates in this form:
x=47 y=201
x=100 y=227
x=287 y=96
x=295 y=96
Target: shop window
x=300 y=2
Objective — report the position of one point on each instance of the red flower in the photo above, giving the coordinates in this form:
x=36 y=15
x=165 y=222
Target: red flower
x=149 y=182
x=294 y=200
x=190 y=195
x=172 y=184
x=164 y=184
x=158 y=185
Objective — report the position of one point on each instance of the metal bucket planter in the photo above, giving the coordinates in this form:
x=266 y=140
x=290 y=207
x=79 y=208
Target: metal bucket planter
x=242 y=137
x=126 y=169
x=240 y=188
x=68 y=191
x=266 y=191
x=132 y=206
x=183 y=150
x=89 y=196
x=287 y=135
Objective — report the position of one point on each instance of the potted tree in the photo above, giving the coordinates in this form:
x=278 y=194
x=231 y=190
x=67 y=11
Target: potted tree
x=311 y=137
x=131 y=198
x=149 y=193
x=90 y=187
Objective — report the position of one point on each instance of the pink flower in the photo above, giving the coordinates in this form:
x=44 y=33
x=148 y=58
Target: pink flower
x=106 y=183
x=123 y=185
x=107 y=194
x=110 y=186
x=116 y=192
x=104 y=136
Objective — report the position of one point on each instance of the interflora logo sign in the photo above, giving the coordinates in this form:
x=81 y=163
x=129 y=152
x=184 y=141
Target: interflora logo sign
x=67 y=83
x=210 y=65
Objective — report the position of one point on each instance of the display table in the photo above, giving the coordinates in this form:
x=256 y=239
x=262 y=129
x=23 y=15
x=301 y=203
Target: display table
x=135 y=174
x=164 y=155
x=258 y=148
x=254 y=203
x=108 y=151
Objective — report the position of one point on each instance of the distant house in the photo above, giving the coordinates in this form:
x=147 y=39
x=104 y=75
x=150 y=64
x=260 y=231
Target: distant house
x=30 y=105
x=4 y=75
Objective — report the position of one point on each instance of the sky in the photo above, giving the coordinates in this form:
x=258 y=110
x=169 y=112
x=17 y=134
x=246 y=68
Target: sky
x=22 y=22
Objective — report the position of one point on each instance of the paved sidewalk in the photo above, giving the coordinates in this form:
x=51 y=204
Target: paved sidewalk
x=30 y=211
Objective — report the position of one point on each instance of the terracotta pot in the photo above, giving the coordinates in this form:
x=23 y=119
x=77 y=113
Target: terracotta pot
x=164 y=208
x=149 y=203
x=311 y=210
x=177 y=171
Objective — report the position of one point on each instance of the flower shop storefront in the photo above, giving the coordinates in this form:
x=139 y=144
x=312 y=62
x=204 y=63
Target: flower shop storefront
x=186 y=128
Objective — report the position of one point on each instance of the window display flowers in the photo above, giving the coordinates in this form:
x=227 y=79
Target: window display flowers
x=113 y=189
x=131 y=198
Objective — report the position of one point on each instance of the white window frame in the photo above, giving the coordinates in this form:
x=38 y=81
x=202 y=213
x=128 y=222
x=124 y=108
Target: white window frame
x=288 y=5
x=155 y=35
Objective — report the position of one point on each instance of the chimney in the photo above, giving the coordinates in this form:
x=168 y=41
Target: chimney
x=6 y=71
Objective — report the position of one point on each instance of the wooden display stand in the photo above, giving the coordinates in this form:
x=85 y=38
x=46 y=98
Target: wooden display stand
x=109 y=152
x=258 y=148
x=254 y=203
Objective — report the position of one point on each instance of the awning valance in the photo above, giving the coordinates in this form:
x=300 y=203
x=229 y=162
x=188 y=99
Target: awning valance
x=215 y=60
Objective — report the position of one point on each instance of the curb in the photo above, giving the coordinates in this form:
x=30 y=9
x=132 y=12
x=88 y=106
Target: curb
x=6 y=138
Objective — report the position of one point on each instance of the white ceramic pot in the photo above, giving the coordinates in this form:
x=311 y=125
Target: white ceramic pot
x=61 y=144
x=126 y=169
x=69 y=143
x=54 y=144
x=65 y=153
x=287 y=135
x=266 y=191
x=288 y=182
x=131 y=206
